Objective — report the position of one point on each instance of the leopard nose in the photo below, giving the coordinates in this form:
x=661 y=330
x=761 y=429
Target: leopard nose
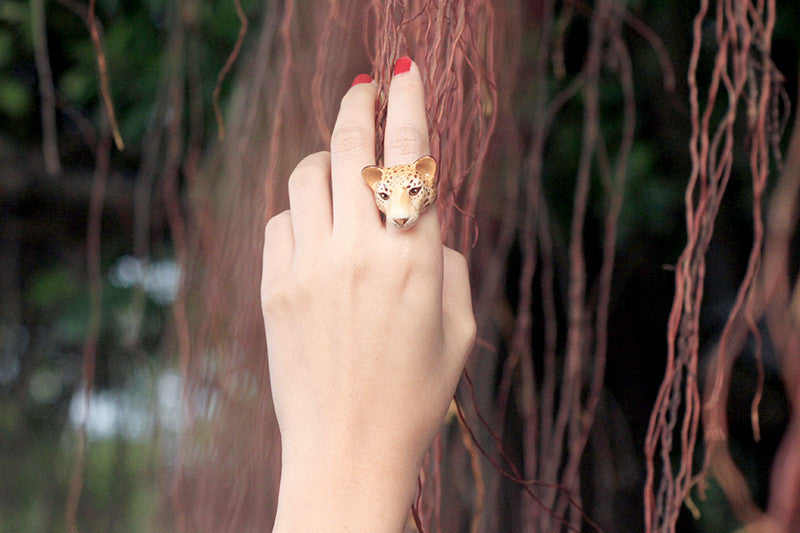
x=401 y=221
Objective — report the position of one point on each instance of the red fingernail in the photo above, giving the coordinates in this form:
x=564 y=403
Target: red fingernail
x=362 y=78
x=403 y=65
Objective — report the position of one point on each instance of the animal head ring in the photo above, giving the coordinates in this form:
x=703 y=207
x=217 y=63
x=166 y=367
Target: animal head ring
x=403 y=192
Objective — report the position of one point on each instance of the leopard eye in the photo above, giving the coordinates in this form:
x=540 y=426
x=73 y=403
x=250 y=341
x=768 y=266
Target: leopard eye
x=383 y=196
x=413 y=191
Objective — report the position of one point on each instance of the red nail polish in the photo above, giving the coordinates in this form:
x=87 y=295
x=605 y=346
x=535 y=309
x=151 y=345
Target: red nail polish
x=362 y=78
x=402 y=66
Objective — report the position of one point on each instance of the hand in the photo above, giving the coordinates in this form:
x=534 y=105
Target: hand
x=368 y=327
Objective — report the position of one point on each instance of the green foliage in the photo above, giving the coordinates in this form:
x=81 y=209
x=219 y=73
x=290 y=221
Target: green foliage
x=14 y=11
x=651 y=200
x=16 y=48
x=52 y=288
x=15 y=99
x=135 y=41
x=60 y=298
x=78 y=86
x=6 y=52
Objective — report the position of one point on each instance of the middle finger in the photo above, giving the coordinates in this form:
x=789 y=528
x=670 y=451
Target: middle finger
x=406 y=137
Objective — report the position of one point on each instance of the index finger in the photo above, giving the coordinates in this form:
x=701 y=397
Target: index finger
x=352 y=149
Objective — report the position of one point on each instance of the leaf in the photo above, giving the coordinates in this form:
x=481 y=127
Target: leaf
x=15 y=98
x=52 y=288
x=77 y=86
x=14 y=12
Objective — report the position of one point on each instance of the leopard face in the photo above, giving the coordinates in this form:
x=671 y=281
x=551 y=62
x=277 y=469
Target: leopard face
x=403 y=192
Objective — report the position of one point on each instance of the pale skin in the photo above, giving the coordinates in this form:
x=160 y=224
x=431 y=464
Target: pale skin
x=368 y=327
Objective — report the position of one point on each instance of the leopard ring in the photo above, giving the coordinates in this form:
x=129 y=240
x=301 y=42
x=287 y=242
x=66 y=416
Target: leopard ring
x=403 y=192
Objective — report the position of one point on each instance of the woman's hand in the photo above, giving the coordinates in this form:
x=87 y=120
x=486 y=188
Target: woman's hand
x=368 y=327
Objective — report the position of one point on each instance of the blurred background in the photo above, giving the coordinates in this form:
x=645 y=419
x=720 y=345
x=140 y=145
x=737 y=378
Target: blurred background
x=109 y=252
x=132 y=422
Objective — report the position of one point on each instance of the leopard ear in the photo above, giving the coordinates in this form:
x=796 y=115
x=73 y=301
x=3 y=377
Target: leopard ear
x=372 y=175
x=426 y=165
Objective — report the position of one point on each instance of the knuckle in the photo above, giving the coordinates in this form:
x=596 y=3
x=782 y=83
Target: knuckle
x=278 y=222
x=456 y=259
x=459 y=304
x=406 y=141
x=469 y=329
x=304 y=177
x=350 y=262
x=351 y=139
x=282 y=297
x=309 y=171
x=278 y=227
x=274 y=299
x=322 y=158
x=455 y=266
x=462 y=330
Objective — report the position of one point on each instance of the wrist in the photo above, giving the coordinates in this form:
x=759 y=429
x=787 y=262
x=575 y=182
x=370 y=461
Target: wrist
x=336 y=492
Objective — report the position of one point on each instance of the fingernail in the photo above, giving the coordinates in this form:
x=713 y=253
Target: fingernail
x=362 y=78
x=402 y=66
